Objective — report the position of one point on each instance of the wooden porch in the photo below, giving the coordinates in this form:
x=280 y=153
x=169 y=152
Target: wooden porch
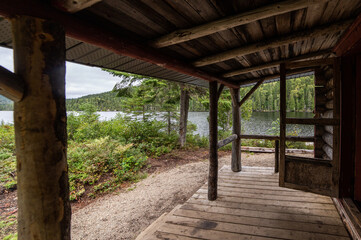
x=250 y=205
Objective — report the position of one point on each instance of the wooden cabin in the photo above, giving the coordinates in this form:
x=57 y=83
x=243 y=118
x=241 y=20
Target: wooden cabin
x=206 y=43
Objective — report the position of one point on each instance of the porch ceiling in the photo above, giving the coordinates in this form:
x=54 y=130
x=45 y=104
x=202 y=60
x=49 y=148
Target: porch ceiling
x=236 y=54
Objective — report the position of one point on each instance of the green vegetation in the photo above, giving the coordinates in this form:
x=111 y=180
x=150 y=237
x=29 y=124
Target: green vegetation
x=101 y=154
x=5 y=104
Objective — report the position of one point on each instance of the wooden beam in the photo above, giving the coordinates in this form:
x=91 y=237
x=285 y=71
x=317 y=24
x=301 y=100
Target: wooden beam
x=226 y=141
x=282 y=163
x=40 y=130
x=253 y=15
x=349 y=38
x=309 y=63
x=273 y=76
x=73 y=6
x=274 y=63
x=277 y=155
x=236 y=163
x=213 y=141
x=255 y=87
x=220 y=90
x=272 y=43
x=11 y=85
x=100 y=36
x=273 y=138
x=183 y=118
x=313 y=121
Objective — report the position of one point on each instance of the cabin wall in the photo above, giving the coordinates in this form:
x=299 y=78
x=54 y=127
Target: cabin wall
x=324 y=105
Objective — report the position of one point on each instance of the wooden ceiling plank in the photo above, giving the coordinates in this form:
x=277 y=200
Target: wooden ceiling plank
x=274 y=63
x=273 y=43
x=231 y=22
x=102 y=37
x=73 y=6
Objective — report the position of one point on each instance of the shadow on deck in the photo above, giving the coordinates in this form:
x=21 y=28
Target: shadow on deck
x=250 y=205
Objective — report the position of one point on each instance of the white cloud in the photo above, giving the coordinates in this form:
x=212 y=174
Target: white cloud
x=80 y=80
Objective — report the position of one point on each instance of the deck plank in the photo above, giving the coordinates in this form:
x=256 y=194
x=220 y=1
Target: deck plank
x=251 y=205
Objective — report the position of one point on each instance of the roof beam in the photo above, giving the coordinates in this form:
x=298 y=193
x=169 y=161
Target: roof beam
x=273 y=43
x=255 y=87
x=253 y=15
x=274 y=63
x=98 y=35
x=73 y=6
x=273 y=76
x=11 y=85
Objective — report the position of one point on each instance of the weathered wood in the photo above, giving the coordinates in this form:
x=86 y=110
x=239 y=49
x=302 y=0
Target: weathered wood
x=272 y=43
x=226 y=141
x=213 y=140
x=73 y=6
x=309 y=63
x=282 y=124
x=329 y=129
x=273 y=138
x=313 y=121
x=255 y=87
x=329 y=84
x=220 y=90
x=320 y=80
x=274 y=64
x=11 y=85
x=183 y=118
x=40 y=130
x=277 y=155
x=330 y=94
x=347 y=216
x=349 y=39
x=336 y=128
x=253 y=15
x=329 y=104
x=236 y=162
x=328 y=150
x=328 y=138
x=327 y=114
x=273 y=76
x=100 y=36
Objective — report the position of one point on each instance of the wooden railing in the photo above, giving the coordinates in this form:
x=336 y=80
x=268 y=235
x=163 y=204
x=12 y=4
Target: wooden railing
x=277 y=143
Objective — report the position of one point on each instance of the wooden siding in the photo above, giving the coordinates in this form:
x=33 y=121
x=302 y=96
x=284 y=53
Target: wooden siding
x=250 y=205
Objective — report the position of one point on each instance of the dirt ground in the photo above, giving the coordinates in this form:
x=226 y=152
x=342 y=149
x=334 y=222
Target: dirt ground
x=172 y=179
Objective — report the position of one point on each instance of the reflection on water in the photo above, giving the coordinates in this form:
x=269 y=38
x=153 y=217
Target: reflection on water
x=259 y=123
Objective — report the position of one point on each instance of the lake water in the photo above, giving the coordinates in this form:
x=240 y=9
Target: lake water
x=259 y=123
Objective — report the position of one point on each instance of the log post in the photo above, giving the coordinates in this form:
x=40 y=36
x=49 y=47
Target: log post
x=283 y=105
x=236 y=144
x=40 y=130
x=184 y=107
x=213 y=140
x=277 y=155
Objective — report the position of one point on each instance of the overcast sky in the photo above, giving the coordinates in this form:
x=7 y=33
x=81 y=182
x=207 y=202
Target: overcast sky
x=80 y=80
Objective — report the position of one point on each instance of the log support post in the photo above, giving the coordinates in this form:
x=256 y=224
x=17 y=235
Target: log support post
x=236 y=144
x=283 y=105
x=40 y=130
x=184 y=107
x=213 y=140
x=277 y=155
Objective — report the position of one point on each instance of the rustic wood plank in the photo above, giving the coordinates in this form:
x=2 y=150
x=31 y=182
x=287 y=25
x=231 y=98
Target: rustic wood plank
x=272 y=43
x=236 y=161
x=249 y=230
x=274 y=223
x=183 y=35
x=309 y=63
x=73 y=6
x=329 y=217
x=224 y=142
x=271 y=196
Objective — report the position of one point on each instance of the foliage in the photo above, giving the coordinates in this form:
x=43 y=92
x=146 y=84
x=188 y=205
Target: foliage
x=8 y=227
x=6 y=104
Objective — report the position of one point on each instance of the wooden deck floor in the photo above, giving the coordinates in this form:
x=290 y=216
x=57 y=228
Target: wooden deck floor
x=250 y=206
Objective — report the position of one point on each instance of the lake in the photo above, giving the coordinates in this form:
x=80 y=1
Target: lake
x=259 y=123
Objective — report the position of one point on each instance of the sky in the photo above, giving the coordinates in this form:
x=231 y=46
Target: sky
x=80 y=80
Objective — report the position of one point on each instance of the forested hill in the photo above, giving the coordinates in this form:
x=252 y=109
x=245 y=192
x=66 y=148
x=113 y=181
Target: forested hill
x=5 y=104
x=107 y=101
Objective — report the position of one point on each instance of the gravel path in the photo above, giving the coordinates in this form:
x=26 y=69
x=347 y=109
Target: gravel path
x=127 y=214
